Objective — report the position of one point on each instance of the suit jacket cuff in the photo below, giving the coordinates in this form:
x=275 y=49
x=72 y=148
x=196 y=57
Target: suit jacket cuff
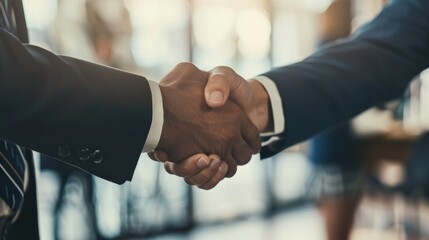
x=155 y=129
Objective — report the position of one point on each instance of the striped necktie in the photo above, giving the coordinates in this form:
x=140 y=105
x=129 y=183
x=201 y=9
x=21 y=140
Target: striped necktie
x=6 y=19
x=12 y=173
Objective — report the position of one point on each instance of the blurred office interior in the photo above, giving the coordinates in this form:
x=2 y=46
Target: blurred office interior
x=266 y=200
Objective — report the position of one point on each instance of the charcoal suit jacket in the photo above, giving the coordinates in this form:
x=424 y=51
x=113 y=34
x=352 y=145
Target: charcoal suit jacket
x=90 y=116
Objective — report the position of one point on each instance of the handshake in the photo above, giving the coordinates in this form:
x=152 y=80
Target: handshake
x=212 y=123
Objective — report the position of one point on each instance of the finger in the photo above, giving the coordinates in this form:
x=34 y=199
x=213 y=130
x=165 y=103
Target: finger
x=219 y=176
x=206 y=174
x=180 y=71
x=187 y=181
x=232 y=166
x=239 y=89
x=216 y=91
x=251 y=136
x=168 y=167
x=158 y=155
x=151 y=155
x=242 y=152
x=188 y=167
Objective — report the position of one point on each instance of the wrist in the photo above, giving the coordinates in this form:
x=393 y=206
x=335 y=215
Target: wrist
x=260 y=113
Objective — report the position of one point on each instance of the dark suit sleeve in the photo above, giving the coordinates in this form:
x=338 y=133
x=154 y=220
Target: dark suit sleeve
x=90 y=116
x=338 y=82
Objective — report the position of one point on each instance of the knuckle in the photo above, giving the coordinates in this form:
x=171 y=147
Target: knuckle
x=225 y=69
x=245 y=160
x=242 y=159
x=208 y=186
x=205 y=176
x=219 y=78
x=186 y=65
x=257 y=146
x=183 y=64
x=193 y=181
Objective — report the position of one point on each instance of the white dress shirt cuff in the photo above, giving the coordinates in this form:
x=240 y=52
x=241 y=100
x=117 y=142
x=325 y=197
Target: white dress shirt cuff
x=276 y=105
x=155 y=129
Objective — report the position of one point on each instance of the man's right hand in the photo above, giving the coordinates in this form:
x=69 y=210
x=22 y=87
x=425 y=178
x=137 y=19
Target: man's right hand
x=190 y=126
x=223 y=84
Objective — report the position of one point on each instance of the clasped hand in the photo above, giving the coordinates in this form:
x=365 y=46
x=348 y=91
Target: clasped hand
x=216 y=113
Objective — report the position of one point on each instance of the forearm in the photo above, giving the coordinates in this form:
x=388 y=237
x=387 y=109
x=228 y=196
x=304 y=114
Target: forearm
x=50 y=101
x=343 y=79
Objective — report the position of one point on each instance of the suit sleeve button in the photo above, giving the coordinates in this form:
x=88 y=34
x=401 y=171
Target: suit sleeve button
x=84 y=154
x=97 y=156
x=64 y=151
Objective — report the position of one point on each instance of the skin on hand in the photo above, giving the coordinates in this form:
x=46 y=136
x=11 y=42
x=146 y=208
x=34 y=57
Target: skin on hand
x=224 y=83
x=200 y=170
x=190 y=126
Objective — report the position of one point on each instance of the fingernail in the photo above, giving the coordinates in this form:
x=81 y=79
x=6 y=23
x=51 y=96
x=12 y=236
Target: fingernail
x=216 y=97
x=202 y=163
x=223 y=167
x=215 y=163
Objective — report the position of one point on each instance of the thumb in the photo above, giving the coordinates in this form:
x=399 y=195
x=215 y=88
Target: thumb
x=224 y=83
x=217 y=89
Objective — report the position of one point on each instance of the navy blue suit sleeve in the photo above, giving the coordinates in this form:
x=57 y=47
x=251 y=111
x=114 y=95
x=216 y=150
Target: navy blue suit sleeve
x=343 y=79
x=50 y=102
